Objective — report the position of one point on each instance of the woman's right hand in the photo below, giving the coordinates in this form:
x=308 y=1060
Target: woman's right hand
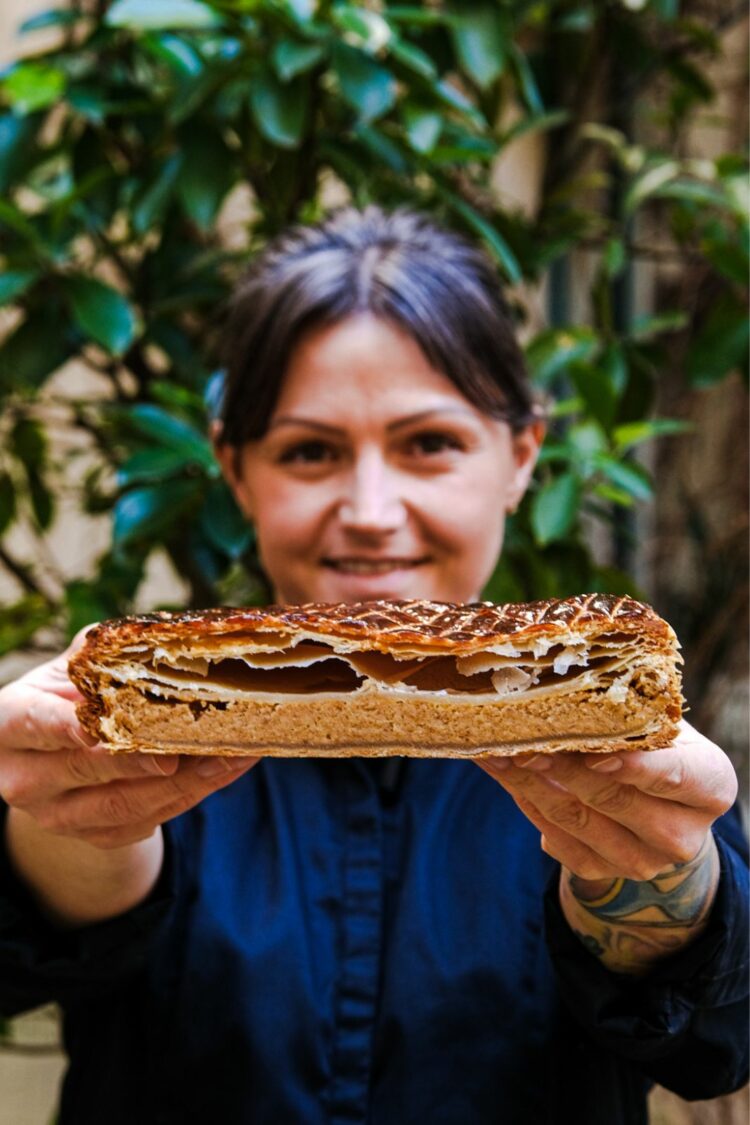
x=53 y=771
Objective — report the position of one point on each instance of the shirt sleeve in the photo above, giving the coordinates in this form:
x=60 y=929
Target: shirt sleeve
x=684 y=1025
x=40 y=962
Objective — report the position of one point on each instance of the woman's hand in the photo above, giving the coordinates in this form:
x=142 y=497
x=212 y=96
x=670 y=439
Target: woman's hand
x=51 y=770
x=83 y=825
x=632 y=831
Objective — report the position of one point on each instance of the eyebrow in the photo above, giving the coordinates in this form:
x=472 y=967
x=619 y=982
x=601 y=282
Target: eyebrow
x=289 y=421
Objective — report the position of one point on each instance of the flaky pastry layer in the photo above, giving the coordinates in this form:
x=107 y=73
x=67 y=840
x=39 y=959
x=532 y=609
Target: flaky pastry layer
x=594 y=673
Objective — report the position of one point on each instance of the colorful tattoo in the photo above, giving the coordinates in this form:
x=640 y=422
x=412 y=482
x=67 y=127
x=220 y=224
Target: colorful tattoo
x=630 y=924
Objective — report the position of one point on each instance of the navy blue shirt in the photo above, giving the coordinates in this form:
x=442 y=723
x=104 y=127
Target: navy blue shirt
x=353 y=942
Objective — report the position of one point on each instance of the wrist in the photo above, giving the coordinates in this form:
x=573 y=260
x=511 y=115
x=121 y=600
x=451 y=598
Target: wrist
x=75 y=883
x=629 y=924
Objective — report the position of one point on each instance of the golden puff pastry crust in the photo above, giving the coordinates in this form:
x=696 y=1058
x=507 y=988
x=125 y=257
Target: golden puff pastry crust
x=427 y=679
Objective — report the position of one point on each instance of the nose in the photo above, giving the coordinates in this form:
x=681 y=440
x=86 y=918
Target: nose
x=372 y=501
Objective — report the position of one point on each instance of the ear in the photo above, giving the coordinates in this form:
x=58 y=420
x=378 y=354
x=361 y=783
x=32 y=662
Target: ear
x=526 y=445
x=229 y=460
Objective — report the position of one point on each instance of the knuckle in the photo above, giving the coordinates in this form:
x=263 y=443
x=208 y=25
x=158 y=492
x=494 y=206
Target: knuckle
x=118 y=806
x=570 y=815
x=683 y=849
x=16 y=792
x=589 y=870
x=51 y=817
x=671 y=781
x=642 y=870
x=614 y=798
x=80 y=768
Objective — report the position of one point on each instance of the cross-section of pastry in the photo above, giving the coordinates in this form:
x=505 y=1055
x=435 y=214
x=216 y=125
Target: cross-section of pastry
x=427 y=679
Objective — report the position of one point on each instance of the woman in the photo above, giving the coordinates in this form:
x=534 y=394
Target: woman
x=363 y=940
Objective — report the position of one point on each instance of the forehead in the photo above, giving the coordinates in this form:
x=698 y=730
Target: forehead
x=363 y=363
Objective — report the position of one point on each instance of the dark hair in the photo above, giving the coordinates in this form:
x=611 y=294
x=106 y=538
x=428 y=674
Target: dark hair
x=401 y=266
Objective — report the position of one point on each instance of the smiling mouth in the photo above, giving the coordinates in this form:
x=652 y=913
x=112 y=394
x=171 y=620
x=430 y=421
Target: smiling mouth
x=371 y=566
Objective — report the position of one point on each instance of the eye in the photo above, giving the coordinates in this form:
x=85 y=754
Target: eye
x=306 y=452
x=433 y=441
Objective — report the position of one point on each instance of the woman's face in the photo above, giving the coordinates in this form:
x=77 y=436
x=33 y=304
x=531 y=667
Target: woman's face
x=376 y=477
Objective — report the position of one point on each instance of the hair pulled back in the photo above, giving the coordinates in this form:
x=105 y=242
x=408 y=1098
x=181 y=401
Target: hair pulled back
x=400 y=266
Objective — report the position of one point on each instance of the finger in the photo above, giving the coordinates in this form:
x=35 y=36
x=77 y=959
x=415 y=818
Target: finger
x=31 y=719
x=692 y=771
x=572 y=853
x=52 y=675
x=631 y=856
x=31 y=777
x=131 y=803
x=668 y=827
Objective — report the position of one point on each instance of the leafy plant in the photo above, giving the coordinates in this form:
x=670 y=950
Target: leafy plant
x=121 y=145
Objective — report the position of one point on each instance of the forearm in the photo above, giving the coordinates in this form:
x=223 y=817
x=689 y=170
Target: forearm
x=75 y=883
x=631 y=925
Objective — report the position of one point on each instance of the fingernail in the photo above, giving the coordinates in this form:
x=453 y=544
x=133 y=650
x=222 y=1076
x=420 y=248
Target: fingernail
x=538 y=762
x=213 y=767
x=160 y=766
x=83 y=738
x=497 y=763
x=606 y=765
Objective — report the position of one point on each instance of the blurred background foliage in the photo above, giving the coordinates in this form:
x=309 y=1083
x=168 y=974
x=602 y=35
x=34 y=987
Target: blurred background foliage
x=121 y=144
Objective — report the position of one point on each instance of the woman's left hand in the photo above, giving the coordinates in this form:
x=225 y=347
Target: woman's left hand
x=628 y=815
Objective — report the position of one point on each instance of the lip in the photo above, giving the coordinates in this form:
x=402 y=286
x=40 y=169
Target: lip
x=398 y=563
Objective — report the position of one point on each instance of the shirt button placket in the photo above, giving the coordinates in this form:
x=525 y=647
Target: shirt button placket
x=361 y=926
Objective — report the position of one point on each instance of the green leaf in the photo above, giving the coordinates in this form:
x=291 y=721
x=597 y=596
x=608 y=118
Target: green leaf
x=554 y=508
x=223 y=523
x=27 y=443
x=280 y=110
x=13 y=283
x=553 y=350
x=372 y=31
x=721 y=345
x=33 y=86
x=415 y=17
x=614 y=257
x=17 y=147
x=613 y=494
x=102 y=313
x=19 y=622
x=383 y=147
x=141 y=15
x=206 y=175
x=414 y=58
x=150 y=511
x=423 y=127
x=303 y=10
x=595 y=390
x=150 y=465
x=153 y=198
x=527 y=81
x=627 y=475
x=647 y=327
x=42 y=503
x=366 y=85
x=634 y=433
x=179 y=55
x=587 y=438
x=161 y=426
x=34 y=350
x=496 y=244
x=52 y=18
x=291 y=58
x=648 y=183
x=7 y=500
x=481 y=38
